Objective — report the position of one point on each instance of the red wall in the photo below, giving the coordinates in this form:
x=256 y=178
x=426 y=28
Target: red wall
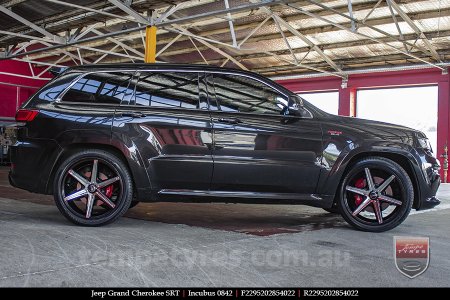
x=12 y=96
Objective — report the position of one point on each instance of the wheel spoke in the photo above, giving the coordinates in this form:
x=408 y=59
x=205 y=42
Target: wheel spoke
x=78 y=177
x=389 y=200
x=105 y=199
x=377 y=210
x=89 y=205
x=357 y=190
x=76 y=195
x=385 y=183
x=369 y=179
x=108 y=182
x=362 y=206
x=94 y=171
x=91 y=183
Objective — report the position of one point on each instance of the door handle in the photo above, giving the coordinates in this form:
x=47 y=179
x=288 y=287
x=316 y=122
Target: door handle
x=229 y=120
x=132 y=114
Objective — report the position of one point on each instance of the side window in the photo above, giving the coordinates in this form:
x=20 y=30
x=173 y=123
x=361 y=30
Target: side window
x=102 y=87
x=53 y=89
x=242 y=94
x=167 y=89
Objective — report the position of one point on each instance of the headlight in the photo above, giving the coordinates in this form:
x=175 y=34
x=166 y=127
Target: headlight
x=424 y=143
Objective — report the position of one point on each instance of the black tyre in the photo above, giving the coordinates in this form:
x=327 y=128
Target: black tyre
x=134 y=203
x=376 y=195
x=93 y=188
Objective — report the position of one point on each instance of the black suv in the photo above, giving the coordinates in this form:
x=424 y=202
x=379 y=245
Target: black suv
x=102 y=138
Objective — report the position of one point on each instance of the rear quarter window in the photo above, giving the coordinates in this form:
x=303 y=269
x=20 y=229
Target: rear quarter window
x=52 y=90
x=101 y=87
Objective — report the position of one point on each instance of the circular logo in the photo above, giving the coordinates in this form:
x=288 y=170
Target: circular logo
x=373 y=195
x=92 y=188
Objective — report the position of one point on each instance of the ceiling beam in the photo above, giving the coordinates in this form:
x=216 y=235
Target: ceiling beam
x=131 y=12
x=365 y=6
x=254 y=38
x=286 y=42
x=350 y=12
x=216 y=49
x=58 y=22
x=12 y=3
x=358 y=33
x=360 y=24
x=302 y=37
x=33 y=26
x=257 y=53
x=418 y=31
x=302 y=51
x=309 y=43
x=305 y=30
x=163 y=23
x=87 y=8
x=394 y=18
x=121 y=44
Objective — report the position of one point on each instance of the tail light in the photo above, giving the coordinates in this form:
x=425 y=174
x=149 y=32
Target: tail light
x=26 y=115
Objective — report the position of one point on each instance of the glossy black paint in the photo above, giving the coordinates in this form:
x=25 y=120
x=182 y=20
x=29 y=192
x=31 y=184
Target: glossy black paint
x=186 y=154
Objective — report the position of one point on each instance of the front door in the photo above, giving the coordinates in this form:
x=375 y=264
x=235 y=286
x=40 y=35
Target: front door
x=256 y=148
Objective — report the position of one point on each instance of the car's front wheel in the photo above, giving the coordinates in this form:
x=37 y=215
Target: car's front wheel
x=93 y=188
x=376 y=195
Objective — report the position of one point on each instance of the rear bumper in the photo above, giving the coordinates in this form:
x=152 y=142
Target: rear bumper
x=31 y=164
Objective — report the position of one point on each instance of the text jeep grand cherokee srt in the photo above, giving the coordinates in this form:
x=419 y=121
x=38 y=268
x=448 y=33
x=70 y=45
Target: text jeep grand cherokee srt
x=102 y=138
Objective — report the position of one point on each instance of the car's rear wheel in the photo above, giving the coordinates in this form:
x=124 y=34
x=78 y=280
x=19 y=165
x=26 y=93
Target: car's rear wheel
x=376 y=195
x=93 y=188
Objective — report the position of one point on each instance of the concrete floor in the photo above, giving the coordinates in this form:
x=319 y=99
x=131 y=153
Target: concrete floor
x=202 y=245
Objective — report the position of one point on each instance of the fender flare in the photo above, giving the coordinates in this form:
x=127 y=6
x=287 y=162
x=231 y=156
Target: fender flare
x=87 y=138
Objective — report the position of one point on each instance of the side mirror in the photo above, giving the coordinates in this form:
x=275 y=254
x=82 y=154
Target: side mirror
x=295 y=105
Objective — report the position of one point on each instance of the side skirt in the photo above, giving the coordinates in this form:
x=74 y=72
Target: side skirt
x=205 y=196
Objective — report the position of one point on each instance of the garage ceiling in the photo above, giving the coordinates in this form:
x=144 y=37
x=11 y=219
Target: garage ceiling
x=274 y=38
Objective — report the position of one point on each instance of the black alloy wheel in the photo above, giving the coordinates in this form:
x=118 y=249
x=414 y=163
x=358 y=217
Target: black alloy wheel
x=93 y=188
x=376 y=195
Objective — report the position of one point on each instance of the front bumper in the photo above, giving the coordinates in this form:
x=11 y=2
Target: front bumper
x=430 y=203
x=429 y=199
x=429 y=182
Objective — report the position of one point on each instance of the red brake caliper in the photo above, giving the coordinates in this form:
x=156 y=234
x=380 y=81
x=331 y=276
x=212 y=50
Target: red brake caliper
x=109 y=191
x=359 y=183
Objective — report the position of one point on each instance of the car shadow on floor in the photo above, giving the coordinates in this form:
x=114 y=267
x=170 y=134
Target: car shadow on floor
x=254 y=219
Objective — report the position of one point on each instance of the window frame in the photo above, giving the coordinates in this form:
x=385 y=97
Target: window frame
x=204 y=72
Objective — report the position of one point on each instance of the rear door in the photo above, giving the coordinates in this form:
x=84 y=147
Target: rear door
x=85 y=113
x=257 y=149
x=166 y=119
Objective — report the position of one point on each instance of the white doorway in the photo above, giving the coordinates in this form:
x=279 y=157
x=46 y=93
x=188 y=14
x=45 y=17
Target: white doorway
x=415 y=107
x=326 y=101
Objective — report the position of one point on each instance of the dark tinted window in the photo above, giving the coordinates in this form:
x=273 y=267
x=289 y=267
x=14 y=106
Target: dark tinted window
x=166 y=89
x=242 y=94
x=101 y=87
x=54 y=88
